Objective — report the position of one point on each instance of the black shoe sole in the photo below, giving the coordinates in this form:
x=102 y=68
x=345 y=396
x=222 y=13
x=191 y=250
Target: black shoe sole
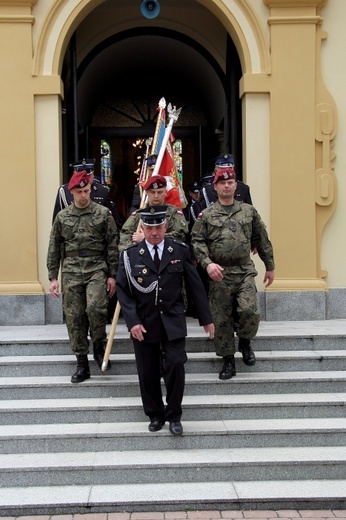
x=155 y=428
x=79 y=380
x=176 y=433
x=224 y=377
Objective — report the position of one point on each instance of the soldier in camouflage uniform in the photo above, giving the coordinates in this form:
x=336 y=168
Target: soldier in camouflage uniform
x=89 y=237
x=177 y=227
x=222 y=238
x=99 y=192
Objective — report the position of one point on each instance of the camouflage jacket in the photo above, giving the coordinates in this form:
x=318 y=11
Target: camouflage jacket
x=83 y=231
x=227 y=239
x=177 y=226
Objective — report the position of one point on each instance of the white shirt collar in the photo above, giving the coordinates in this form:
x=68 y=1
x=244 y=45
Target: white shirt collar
x=159 y=246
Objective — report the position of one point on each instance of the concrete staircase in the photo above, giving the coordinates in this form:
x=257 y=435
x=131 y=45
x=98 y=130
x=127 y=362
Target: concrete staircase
x=273 y=437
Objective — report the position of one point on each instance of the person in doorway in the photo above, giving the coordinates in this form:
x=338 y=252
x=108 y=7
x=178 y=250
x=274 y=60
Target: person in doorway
x=99 y=192
x=222 y=239
x=172 y=195
x=208 y=194
x=149 y=288
x=155 y=187
x=191 y=217
x=190 y=209
x=88 y=236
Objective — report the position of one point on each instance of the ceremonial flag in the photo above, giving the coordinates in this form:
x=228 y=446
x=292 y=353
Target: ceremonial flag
x=175 y=194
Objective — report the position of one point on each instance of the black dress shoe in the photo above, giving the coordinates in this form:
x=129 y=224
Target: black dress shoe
x=176 y=428
x=155 y=425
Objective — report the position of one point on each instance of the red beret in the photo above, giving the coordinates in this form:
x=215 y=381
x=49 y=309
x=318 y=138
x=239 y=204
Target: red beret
x=79 y=180
x=224 y=175
x=154 y=182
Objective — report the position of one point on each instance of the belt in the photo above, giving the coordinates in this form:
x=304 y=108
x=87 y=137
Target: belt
x=83 y=253
x=233 y=263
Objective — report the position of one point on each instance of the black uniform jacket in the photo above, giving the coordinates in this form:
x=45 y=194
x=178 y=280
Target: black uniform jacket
x=164 y=303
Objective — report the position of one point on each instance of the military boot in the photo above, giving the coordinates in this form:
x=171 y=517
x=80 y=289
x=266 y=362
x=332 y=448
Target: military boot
x=244 y=347
x=83 y=371
x=99 y=352
x=228 y=369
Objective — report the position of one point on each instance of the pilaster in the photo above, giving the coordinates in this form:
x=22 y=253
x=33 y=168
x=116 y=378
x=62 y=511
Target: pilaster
x=18 y=253
x=296 y=188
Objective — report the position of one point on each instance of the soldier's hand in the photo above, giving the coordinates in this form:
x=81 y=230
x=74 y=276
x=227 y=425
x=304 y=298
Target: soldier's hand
x=137 y=237
x=110 y=287
x=54 y=288
x=215 y=272
x=268 y=278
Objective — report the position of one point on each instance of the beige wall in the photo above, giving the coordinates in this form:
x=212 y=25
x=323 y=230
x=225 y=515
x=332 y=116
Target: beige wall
x=334 y=73
x=281 y=86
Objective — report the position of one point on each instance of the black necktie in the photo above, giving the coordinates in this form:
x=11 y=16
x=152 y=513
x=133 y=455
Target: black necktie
x=156 y=257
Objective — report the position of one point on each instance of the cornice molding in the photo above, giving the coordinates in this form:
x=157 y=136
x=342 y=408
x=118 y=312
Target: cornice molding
x=296 y=3
x=17 y=19
x=18 y=3
x=275 y=20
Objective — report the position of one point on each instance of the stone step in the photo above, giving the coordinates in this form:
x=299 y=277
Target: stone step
x=193 y=344
x=164 y=466
x=201 y=362
x=118 y=436
x=196 y=384
x=269 y=438
x=272 y=336
x=196 y=408
x=222 y=495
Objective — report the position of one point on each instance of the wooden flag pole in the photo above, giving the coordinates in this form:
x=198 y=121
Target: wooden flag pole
x=173 y=115
x=111 y=337
x=117 y=308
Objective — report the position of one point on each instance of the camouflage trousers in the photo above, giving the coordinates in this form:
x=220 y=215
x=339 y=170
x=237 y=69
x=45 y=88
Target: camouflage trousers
x=85 y=305
x=233 y=289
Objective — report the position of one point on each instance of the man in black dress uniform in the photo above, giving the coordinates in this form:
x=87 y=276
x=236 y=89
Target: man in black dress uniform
x=149 y=288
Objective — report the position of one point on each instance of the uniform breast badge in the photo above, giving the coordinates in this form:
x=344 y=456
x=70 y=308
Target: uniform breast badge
x=142 y=251
x=170 y=249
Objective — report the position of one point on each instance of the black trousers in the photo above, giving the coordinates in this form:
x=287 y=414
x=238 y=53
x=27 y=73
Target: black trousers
x=148 y=367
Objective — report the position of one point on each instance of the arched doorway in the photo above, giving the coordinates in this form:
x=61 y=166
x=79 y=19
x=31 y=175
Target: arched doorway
x=93 y=22
x=113 y=91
